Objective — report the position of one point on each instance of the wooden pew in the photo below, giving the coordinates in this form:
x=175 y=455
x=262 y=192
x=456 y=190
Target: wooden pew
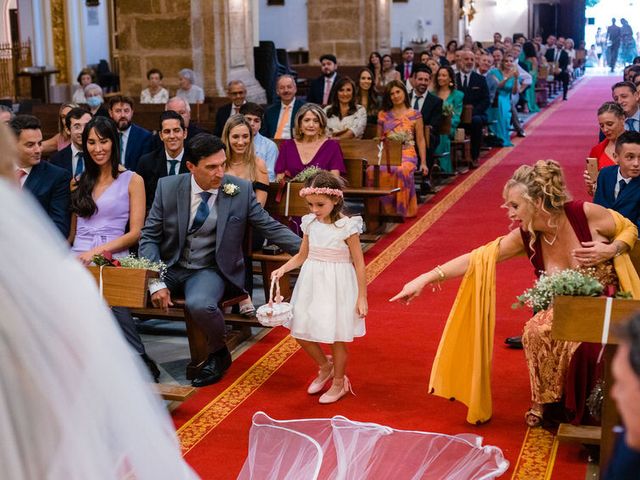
x=581 y=319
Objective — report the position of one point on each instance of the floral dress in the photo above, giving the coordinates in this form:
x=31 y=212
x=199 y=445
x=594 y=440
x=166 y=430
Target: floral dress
x=404 y=202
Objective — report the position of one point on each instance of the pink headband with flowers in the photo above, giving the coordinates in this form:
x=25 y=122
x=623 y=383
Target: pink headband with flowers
x=320 y=191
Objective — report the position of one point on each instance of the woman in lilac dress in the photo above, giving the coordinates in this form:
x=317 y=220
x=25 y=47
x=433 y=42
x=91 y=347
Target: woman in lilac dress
x=107 y=198
x=310 y=147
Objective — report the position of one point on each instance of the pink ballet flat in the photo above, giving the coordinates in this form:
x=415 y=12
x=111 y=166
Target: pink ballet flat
x=336 y=392
x=319 y=382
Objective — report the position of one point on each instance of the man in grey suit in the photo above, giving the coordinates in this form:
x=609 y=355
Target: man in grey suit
x=196 y=226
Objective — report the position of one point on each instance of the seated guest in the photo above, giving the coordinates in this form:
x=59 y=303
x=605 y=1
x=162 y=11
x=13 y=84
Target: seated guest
x=625 y=369
x=188 y=90
x=95 y=100
x=366 y=95
x=450 y=51
x=237 y=93
x=169 y=159
x=476 y=93
x=47 y=183
x=447 y=92
x=242 y=162
x=424 y=56
x=438 y=53
x=71 y=158
x=108 y=212
x=321 y=89
x=618 y=186
x=310 y=146
x=278 y=119
x=345 y=119
x=406 y=67
x=61 y=139
x=265 y=148
x=182 y=107
x=202 y=244
x=611 y=121
x=430 y=107
x=397 y=118
x=433 y=65
x=135 y=141
x=155 y=92
x=375 y=67
x=389 y=73
x=85 y=77
x=626 y=95
x=6 y=114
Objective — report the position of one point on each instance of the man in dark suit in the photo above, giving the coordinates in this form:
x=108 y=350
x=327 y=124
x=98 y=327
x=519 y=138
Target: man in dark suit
x=71 y=158
x=47 y=183
x=134 y=140
x=237 y=93
x=196 y=226
x=278 y=119
x=321 y=89
x=476 y=93
x=406 y=67
x=170 y=159
x=558 y=56
x=429 y=105
x=618 y=186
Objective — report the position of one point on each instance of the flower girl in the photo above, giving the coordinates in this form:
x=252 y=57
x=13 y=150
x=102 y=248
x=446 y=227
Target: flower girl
x=330 y=297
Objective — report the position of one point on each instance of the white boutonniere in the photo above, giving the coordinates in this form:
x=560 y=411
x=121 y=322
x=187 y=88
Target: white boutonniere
x=231 y=189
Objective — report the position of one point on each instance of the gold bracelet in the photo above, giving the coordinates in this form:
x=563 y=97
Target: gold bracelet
x=440 y=273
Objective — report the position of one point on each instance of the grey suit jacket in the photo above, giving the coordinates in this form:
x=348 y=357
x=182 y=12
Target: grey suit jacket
x=165 y=230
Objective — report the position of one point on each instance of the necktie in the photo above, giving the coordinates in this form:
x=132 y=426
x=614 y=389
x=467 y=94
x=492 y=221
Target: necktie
x=79 y=164
x=284 y=121
x=173 y=163
x=416 y=103
x=121 y=148
x=465 y=84
x=407 y=71
x=19 y=174
x=622 y=185
x=630 y=123
x=201 y=213
x=327 y=91
x=556 y=56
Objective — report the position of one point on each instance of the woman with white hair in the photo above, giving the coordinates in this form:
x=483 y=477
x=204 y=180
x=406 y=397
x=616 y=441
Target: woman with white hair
x=188 y=90
x=95 y=100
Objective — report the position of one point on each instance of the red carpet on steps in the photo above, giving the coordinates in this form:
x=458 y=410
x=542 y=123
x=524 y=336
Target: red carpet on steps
x=389 y=367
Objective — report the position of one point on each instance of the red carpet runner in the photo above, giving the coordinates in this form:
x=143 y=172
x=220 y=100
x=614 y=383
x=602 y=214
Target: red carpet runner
x=389 y=367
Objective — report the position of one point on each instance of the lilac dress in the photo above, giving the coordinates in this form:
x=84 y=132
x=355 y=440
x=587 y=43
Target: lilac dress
x=328 y=157
x=109 y=221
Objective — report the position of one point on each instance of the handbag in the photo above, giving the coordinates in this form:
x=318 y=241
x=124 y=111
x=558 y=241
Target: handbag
x=276 y=312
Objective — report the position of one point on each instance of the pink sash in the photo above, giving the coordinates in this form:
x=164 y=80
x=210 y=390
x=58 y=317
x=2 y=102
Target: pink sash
x=335 y=255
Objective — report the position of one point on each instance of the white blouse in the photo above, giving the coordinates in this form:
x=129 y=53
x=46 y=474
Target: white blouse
x=161 y=96
x=356 y=122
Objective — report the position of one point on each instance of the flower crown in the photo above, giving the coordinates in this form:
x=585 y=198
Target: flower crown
x=321 y=191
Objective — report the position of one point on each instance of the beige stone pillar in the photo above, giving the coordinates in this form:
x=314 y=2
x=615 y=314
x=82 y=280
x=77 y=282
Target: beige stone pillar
x=213 y=37
x=451 y=21
x=350 y=29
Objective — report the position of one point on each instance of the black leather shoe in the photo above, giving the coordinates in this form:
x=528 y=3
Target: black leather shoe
x=514 y=342
x=152 y=366
x=212 y=372
x=224 y=358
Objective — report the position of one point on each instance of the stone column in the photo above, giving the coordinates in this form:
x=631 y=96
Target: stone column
x=451 y=21
x=213 y=37
x=350 y=29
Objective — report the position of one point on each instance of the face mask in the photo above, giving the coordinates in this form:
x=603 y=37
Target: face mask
x=94 y=102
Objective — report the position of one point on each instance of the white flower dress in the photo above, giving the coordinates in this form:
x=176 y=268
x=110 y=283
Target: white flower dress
x=325 y=295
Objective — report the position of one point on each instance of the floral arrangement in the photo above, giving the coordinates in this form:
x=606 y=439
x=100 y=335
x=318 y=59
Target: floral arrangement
x=448 y=110
x=230 y=189
x=306 y=173
x=106 y=259
x=405 y=137
x=581 y=282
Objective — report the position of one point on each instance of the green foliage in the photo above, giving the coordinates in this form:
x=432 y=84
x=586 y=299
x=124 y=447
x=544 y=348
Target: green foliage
x=306 y=173
x=448 y=110
x=581 y=283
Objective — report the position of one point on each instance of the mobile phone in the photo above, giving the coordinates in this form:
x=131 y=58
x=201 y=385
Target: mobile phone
x=592 y=168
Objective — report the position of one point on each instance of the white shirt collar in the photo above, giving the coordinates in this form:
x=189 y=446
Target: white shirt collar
x=620 y=177
x=196 y=190
x=74 y=151
x=179 y=157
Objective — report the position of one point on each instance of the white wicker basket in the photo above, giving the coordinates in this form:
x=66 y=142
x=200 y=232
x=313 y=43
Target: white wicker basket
x=276 y=312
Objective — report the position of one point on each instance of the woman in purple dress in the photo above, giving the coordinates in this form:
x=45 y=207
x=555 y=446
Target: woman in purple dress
x=310 y=146
x=107 y=197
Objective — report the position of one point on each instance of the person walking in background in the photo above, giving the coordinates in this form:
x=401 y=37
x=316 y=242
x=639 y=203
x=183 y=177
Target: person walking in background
x=613 y=39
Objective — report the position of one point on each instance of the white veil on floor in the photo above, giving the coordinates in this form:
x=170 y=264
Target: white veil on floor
x=339 y=448
x=75 y=401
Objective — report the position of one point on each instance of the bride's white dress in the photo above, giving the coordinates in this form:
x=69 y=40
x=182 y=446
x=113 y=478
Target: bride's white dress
x=75 y=402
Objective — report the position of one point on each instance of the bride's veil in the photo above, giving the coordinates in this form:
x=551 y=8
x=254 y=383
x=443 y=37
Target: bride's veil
x=75 y=403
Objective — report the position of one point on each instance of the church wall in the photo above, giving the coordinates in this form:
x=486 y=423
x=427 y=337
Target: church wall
x=285 y=25
x=504 y=16
x=405 y=17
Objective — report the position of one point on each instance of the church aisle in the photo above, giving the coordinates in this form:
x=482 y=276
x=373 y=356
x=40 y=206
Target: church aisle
x=389 y=367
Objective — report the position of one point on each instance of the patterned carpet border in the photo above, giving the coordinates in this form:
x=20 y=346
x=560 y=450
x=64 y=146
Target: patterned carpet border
x=533 y=456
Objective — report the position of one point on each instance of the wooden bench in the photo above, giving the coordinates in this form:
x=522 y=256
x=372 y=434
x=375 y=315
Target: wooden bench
x=175 y=393
x=581 y=319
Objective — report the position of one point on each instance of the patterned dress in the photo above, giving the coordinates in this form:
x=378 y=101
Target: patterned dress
x=404 y=202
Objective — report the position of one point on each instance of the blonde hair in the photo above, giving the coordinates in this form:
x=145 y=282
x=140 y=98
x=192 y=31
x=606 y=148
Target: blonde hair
x=249 y=155
x=544 y=181
x=315 y=110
